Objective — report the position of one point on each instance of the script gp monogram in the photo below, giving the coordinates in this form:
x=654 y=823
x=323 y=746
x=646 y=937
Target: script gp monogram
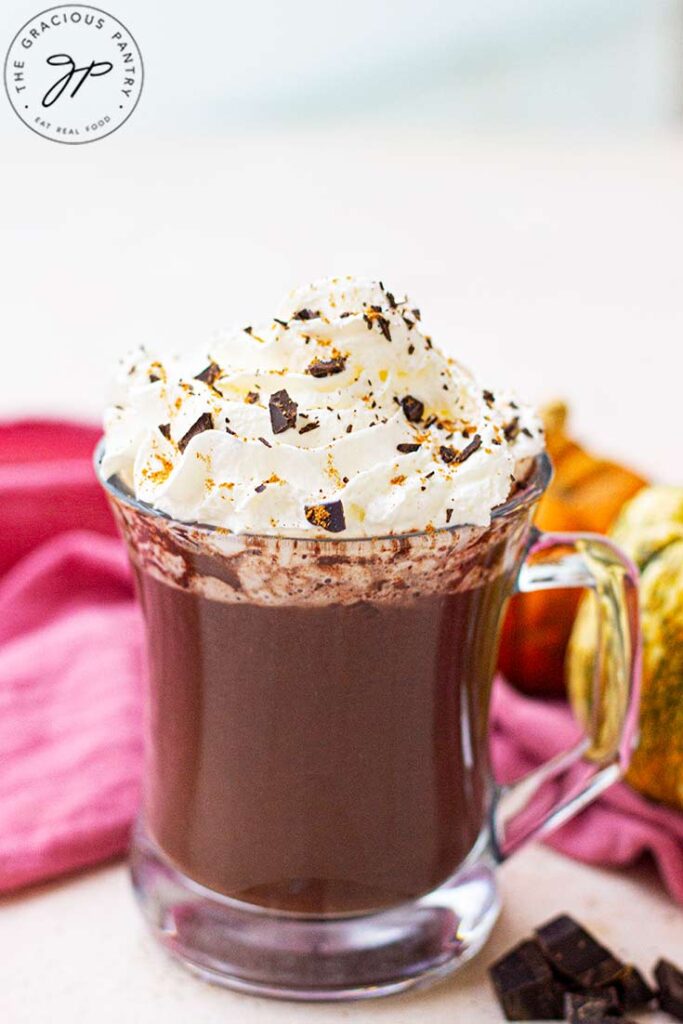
x=94 y=70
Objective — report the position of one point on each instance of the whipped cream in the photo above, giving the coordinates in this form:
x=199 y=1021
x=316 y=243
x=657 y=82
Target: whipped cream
x=338 y=416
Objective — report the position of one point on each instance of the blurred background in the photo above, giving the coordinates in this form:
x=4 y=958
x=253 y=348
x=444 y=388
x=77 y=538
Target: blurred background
x=516 y=166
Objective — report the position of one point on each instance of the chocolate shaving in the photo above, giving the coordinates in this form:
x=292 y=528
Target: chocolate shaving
x=447 y=454
x=282 y=412
x=266 y=443
x=488 y=397
x=413 y=408
x=247 y=330
x=165 y=429
x=306 y=314
x=153 y=378
x=405 y=449
x=260 y=489
x=313 y=425
x=282 y=323
x=391 y=300
x=327 y=516
x=205 y=422
x=511 y=430
x=252 y=397
x=326 y=367
x=209 y=374
x=416 y=314
x=472 y=447
x=449 y=514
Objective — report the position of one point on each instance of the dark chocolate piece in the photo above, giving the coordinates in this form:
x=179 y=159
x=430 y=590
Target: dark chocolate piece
x=165 y=429
x=282 y=323
x=413 y=408
x=313 y=425
x=209 y=374
x=282 y=412
x=670 y=993
x=591 y=1007
x=488 y=397
x=327 y=515
x=260 y=489
x=205 y=422
x=575 y=954
x=252 y=397
x=306 y=314
x=153 y=377
x=326 y=367
x=447 y=454
x=525 y=986
x=632 y=989
x=266 y=443
x=406 y=449
x=470 y=449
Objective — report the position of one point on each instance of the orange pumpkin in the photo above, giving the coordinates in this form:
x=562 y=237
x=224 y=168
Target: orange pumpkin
x=586 y=494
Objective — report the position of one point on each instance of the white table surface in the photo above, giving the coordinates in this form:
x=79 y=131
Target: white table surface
x=77 y=951
x=551 y=264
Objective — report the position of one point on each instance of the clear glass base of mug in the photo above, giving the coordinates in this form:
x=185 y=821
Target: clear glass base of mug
x=290 y=956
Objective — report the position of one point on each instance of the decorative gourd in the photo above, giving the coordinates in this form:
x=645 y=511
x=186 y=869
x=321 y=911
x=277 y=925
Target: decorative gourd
x=650 y=530
x=586 y=493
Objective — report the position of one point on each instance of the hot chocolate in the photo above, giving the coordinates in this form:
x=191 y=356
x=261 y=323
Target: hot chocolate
x=321 y=648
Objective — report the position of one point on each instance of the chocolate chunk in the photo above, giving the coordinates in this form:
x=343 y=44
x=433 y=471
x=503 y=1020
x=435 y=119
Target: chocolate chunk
x=383 y=326
x=205 y=422
x=488 y=397
x=449 y=514
x=632 y=989
x=575 y=954
x=306 y=314
x=209 y=374
x=591 y=1007
x=670 y=993
x=447 y=454
x=413 y=408
x=260 y=489
x=471 y=448
x=282 y=412
x=153 y=378
x=525 y=986
x=391 y=300
x=406 y=449
x=313 y=425
x=327 y=515
x=326 y=367
x=252 y=397
x=165 y=429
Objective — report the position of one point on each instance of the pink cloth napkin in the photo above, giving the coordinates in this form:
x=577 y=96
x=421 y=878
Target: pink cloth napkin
x=70 y=686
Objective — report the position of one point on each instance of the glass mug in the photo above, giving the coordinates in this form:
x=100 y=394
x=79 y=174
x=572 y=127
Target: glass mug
x=319 y=817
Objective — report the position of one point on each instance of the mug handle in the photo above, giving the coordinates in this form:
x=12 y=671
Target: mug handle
x=555 y=791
